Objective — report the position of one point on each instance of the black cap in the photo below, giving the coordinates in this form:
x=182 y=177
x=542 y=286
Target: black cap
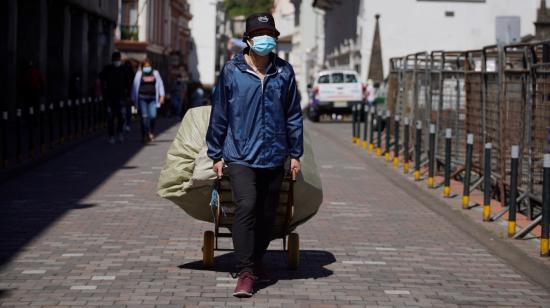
x=260 y=21
x=115 y=56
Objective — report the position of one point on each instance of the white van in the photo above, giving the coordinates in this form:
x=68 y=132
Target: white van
x=335 y=91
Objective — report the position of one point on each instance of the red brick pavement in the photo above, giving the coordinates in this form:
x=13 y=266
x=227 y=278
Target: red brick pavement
x=87 y=229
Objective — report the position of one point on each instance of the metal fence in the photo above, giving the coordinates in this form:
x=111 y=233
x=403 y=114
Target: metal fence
x=28 y=133
x=500 y=95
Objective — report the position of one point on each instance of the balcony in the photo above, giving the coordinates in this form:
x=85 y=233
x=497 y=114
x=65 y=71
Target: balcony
x=129 y=33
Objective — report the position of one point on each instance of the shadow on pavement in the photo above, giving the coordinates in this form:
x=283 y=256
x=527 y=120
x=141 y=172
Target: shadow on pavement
x=4 y=293
x=36 y=199
x=312 y=265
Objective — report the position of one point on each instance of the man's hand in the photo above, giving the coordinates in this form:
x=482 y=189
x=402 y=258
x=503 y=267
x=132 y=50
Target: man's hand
x=295 y=165
x=161 y=100
x=218 y=169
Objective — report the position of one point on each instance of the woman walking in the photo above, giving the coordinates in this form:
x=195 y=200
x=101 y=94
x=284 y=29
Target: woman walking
x=148 y=94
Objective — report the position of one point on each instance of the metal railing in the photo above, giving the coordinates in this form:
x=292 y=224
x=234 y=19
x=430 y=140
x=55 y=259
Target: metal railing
x=31 y=132
x=478 y=116
x=471 y=92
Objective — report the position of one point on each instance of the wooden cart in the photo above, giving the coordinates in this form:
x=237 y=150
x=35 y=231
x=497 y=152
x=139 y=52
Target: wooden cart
x=223 y=210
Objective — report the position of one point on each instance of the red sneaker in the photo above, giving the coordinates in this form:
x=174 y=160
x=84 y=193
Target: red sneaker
x=245 y=285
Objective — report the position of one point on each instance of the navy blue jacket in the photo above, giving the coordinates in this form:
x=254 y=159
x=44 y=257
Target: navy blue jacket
x=254 y=123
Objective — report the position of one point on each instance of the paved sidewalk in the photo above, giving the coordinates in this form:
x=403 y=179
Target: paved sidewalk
x=87 y=229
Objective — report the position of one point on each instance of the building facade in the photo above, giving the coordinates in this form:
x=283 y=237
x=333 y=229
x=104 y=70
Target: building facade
x=157 y=30
x=205 y=40
x=66 y=42
x=408 y=26
x=542 y=25
x=308 y=41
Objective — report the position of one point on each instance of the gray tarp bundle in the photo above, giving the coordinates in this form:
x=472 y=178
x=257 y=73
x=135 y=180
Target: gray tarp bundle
x=187 y=177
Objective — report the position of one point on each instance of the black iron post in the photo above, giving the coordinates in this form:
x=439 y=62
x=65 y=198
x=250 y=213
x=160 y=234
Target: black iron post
x=406 y=146
x=487 y=183
x=448 y=149
x=468 y=171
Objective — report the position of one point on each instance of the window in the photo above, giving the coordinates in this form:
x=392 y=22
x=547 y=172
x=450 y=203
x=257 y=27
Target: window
x=324 y=79
x=337 y=78
x=350 y=78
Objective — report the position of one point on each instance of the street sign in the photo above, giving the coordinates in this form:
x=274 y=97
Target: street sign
x=508 y=30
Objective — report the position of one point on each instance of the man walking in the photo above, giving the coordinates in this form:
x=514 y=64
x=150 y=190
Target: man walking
x=115 y=84
x=255 y=125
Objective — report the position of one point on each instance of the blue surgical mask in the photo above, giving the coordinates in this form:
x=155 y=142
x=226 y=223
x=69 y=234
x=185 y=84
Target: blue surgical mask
x=263 y=45
x=147 y=69
x=117 y=63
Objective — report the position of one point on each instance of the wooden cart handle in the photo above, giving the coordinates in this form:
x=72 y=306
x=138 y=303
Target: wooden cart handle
x=294 y=174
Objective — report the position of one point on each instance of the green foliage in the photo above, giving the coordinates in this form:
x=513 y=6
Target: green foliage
x=247 y=7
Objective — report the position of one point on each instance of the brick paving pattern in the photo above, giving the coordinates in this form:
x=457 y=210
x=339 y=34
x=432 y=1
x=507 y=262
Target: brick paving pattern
x=87 y=229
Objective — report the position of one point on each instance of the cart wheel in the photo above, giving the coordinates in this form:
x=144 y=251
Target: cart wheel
x=208 y=249
x=293 y=250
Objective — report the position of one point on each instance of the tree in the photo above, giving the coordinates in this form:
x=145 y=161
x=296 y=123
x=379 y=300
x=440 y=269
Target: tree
x=247 y=7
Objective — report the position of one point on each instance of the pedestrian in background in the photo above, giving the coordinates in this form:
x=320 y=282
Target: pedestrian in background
x=255 y=126
x=197 y=96
x=148 y=93
x=177 y=97
x=31 y=86
x=115 y=88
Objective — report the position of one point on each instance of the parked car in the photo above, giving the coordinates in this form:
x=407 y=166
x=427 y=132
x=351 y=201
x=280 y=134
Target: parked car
x=335 y=92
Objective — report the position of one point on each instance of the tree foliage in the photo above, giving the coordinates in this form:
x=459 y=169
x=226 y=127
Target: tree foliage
x=247 y=7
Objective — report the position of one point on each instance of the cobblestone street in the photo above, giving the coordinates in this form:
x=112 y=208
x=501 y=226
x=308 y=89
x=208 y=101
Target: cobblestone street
x=87 y=229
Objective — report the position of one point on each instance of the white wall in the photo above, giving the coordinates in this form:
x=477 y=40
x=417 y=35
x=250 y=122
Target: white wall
x=283 y=13
x=143 y=11
x=304 y=56
x=203 y=32
x=408 y=26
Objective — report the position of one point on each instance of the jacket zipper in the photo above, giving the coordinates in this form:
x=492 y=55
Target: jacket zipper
x=262 y=84
x=261 y=79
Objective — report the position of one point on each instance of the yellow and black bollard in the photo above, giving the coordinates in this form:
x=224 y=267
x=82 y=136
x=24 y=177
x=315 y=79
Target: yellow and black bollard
x=359 y=112
x=18 y=150
x=355 y=122
x=387 y=121
x=487 y=183
x=406 y=154
x=365 y=128
x=447 y=179
x=90 y=115
x=93 y=118
x=41 y=130
x=51 y=126
x=61 y=112
x=372 y=112
x=379 y=133
x=97 y=114
x=468 y=171
x=77 y=124
x=431 y=156
x=396 y=143
x=417 y=150
x=83 y=106
x=545 y=225
x=69 y=120
x=513 y=201
x=4 y=128
x=30 y=130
